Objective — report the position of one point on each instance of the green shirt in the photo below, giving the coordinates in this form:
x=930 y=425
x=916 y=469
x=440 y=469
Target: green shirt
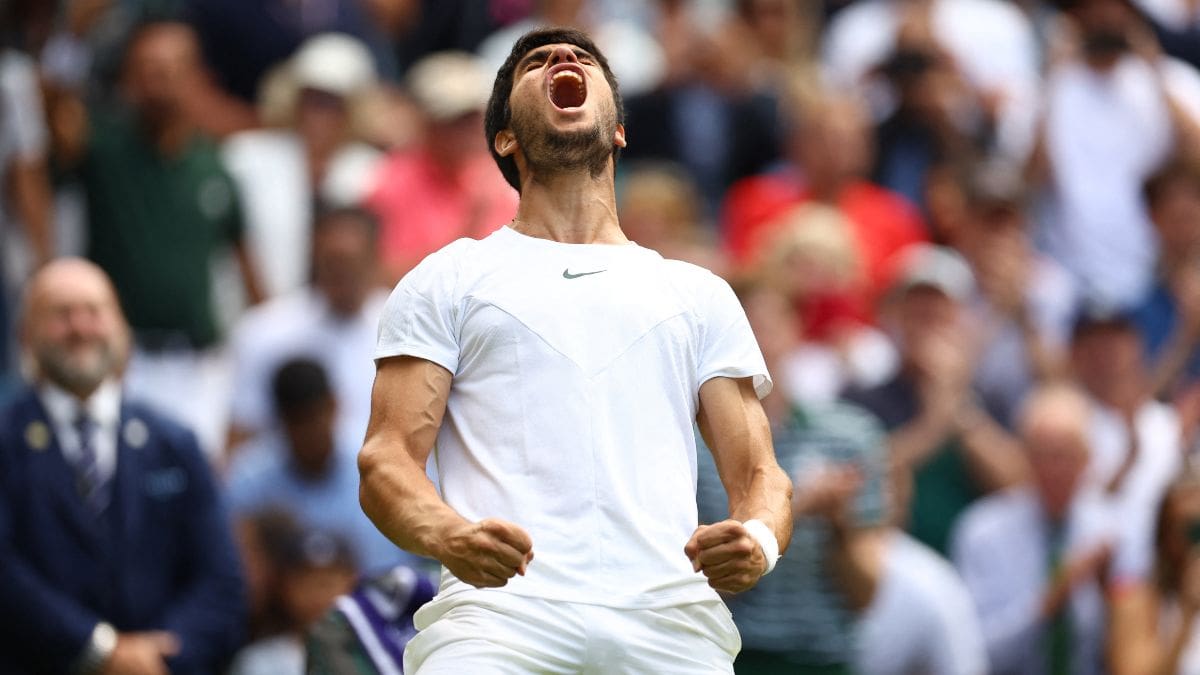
x=154 y=224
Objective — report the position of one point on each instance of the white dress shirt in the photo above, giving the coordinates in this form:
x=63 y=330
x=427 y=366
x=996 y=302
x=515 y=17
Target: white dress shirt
x=104 y=408
x=1001 y=548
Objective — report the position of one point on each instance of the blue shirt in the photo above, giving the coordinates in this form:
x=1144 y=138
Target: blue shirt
x=263 y=478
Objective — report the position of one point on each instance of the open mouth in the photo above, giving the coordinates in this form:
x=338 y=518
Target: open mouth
x=567 y=89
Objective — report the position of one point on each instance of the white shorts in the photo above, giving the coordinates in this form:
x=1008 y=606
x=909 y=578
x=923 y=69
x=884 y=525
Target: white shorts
x=492 y=632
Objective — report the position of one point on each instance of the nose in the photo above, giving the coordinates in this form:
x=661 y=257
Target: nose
x=562 y=54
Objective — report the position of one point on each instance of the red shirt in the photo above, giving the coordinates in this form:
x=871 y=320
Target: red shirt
x=884 y=222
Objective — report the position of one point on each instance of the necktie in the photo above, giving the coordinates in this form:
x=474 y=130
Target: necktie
x=1059 y=647
x=88 y=479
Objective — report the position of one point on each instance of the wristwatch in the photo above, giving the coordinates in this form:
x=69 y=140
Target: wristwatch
x=98 y=650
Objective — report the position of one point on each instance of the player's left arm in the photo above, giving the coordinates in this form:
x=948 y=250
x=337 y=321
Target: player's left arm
x=733 y=553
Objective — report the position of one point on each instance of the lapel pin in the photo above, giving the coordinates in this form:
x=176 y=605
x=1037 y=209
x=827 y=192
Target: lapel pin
x=136 y=433
x=37 y=435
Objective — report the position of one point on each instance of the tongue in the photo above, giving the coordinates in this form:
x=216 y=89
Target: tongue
x=565 y=92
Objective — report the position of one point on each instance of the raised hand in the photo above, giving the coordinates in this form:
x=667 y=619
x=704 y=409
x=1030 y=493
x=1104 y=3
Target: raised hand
x=486 y=554
x=725 y=552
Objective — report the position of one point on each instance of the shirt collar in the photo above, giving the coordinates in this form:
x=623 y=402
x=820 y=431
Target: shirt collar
x=103 y=406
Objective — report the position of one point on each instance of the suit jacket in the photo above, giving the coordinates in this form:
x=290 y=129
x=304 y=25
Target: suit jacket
x=160 y=558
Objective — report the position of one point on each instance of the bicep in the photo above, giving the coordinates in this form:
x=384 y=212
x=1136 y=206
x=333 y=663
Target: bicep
x=408 y=402
x=734 y=427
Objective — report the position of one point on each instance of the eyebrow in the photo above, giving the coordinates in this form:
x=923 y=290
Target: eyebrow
x=544 y=51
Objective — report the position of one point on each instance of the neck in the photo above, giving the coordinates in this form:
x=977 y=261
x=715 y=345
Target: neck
x=169 y=136
x=572 y=208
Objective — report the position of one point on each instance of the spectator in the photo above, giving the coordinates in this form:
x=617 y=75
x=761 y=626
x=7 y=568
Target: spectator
x=114 y=548
x=1025 y=301
x=284 y=175
x=25 y=196
x=1135 y=440
x=936 y=426
x=1032 y=557
x=332 y=321
x=1153 y=626
x=1094 y=221
x=991 y=42
x=159 y=206
x=829 y=155
x=368 y=629
x=660 y=209
x=1169 y=317
x=800 y=618
x=809 y=255
x=447 y=187
x=922 y=620
x=305 y=472
x=315 y=568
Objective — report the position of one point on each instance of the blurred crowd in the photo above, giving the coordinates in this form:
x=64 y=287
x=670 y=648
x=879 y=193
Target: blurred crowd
x=966 y=234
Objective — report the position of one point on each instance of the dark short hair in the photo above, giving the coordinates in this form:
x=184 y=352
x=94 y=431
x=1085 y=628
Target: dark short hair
x=298 y=384
x=499 y=111
x=330 y=217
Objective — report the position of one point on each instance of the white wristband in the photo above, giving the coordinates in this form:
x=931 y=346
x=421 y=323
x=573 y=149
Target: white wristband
x=766 y=539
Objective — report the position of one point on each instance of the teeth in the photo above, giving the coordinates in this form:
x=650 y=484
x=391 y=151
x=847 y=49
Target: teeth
x=568 y=73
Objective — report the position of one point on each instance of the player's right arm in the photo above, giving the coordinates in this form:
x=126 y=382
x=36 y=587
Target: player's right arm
x=407 y=405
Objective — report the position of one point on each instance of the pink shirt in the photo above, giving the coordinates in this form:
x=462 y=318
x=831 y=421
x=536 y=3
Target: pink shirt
x=421 y=208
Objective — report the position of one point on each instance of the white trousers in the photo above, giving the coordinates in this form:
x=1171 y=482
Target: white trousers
x=493 y=632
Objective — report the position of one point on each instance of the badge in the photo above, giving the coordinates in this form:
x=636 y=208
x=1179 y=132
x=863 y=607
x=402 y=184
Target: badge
x=37 y=435
x=136 y=433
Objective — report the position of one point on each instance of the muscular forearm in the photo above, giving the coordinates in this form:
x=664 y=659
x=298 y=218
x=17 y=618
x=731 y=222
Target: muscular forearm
x=400 y=499
x=766 y=497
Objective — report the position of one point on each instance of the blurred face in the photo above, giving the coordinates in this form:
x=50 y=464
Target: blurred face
x=832 y=145
x=563 y=112
x=1107 y=359
x=161 y=70
x=344 y=264
x=74 y=328
x=1104 y=28
x=924 y=313
x=453 y=141
x=1058 y=456
x=309 y=593
x=321 y=118
x=1176 y=214
x=310 y=434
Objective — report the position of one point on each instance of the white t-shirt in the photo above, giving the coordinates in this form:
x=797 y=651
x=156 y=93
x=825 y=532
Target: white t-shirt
x=922 y=620
x=576 y=370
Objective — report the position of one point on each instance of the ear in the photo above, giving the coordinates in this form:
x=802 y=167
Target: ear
x=619 y=137
x=505 y=143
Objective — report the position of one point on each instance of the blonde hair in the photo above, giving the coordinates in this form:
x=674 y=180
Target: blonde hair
x=820 y=235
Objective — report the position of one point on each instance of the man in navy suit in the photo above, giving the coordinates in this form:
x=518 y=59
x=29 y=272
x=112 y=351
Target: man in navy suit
x=115 y=554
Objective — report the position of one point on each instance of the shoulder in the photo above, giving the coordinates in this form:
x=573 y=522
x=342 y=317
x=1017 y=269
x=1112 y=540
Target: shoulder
x=992 y=518
x=15 y=414
x=161 y=432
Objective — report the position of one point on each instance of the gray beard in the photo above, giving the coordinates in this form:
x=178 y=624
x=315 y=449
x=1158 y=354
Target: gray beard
x=59 y=370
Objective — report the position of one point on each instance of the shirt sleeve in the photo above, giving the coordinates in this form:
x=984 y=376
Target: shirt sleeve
x=419 y=318
x=728 y=347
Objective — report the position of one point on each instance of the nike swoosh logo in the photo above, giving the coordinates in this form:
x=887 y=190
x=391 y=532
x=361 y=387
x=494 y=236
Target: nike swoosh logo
x=567 y=273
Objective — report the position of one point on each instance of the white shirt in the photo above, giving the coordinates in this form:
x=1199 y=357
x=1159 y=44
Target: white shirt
x=921 y=621
x=301 y=324
x=576 y=370
x=1001 y=548
x=271 y=170
x=992 y=42
x=104 y=407
x=1094 y=221
x=1137 y=500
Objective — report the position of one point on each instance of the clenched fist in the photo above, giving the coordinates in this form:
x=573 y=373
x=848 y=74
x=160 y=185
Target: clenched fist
x=486 y=554
x=725 y=552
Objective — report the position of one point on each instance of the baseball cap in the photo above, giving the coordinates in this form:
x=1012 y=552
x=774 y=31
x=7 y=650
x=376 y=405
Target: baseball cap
x=937 y=267
x=334 y=63
x=1090 y=315
x=447 y=85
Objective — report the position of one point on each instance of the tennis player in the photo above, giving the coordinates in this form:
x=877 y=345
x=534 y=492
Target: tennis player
x=559 y=370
